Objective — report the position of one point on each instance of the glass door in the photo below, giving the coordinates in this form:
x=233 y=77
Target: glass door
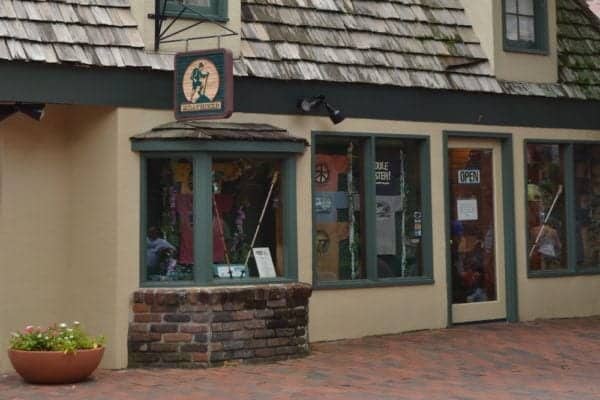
x=476 y=253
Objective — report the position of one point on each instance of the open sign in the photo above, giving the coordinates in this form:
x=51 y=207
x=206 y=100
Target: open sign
x=469 y=176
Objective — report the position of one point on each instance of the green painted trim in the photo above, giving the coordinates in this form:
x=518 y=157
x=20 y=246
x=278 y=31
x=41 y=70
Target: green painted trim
x=67 y=84
x=214 y=12
x=290 y=225
x=203 y=238
x=218 y=146
x=449 y=288
x=540 y=46
x=170 y=284
x=562 y=273
x=246 y=282
x=426 y=208
x=370 y=212
x=143 y=217
x=509 y=220
x=510 y=224
x=367 y=283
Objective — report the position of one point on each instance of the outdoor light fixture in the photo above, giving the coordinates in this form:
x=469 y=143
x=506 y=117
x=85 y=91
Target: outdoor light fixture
x=308 y=104
x=32 y=110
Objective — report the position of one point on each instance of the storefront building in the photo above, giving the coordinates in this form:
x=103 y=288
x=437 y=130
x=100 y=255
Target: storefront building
x=388 y=167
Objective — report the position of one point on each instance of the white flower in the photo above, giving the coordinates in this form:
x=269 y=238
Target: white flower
x=15 y=334
x=69 y=329
x=62 y=325
x=39 y=335
x=76 y=323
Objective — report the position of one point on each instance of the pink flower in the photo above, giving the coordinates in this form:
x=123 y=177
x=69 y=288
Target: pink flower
x=29 y=329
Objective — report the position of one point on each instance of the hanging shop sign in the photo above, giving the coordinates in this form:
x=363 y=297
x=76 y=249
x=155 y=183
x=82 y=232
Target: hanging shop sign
x=203 y=84
x=469 y=176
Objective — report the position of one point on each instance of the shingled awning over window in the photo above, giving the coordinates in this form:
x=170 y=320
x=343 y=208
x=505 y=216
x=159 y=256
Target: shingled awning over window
x=204 y=130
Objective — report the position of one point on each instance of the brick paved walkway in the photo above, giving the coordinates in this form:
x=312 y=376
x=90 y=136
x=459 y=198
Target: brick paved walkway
x=555 y=359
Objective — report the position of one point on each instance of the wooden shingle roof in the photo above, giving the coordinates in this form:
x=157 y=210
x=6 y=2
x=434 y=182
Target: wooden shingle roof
x=410 y=43
x=419 y=43
x=86 y=32
x=407 y=43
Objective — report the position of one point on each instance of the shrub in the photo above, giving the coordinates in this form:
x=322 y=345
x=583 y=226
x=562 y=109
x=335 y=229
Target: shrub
x=61 y=337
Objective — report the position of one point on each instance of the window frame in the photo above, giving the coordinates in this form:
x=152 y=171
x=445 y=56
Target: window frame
x=369 y=190
x=540 y=18
x=202 y=153
x=570 y=231
x=218 y=12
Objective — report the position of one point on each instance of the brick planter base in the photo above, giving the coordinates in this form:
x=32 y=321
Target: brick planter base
x=203 y=327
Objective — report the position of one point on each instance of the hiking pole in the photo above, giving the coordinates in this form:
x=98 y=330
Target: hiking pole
x=539 y=235
x=262 y=215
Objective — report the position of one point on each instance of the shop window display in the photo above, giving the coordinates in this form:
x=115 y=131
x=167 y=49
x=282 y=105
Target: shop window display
x=337 y=185
x=546 y=223
x=247 y=232
x=398 y=208
x=587 y=204
x=169 y=252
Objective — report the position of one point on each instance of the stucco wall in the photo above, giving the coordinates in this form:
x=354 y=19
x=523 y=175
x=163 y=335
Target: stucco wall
x=509 y=65
x=34 y=202
x=69 y=229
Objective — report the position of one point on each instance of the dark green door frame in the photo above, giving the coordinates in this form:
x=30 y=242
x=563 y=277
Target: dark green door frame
x=508 y=200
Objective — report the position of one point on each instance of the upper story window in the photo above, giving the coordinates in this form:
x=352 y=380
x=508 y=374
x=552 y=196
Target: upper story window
x=197 y=9
x=525 y=25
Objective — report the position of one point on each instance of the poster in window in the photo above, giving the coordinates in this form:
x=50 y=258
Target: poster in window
x=264 y=262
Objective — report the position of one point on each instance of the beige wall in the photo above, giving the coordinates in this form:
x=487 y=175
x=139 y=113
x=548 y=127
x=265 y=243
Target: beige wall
x=507 y=65
x=34 y=248
x=141 y=9
x=73 y=247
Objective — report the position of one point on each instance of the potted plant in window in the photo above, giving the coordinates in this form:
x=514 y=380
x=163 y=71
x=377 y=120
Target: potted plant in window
x=57 y=354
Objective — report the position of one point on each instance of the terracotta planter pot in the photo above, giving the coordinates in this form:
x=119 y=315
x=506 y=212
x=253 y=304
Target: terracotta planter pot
x=55 y=366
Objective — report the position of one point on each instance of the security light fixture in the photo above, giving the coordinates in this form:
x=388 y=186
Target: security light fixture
x=308 y=104
x=32 y=110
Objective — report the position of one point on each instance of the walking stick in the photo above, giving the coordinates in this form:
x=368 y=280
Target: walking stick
x=539 y=235
x=221 y=234
x=262 y=215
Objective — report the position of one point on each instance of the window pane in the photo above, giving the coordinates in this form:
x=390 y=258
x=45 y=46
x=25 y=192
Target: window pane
x=546 y=207
x=398 y=208
x=196 y=3
x=526 y=7
x=512 y=30
x=526 y=29
x=510 y=6
x=471 y=180
x=247 y=219
x=587 y=204
x=337 y=204
x=170 y=237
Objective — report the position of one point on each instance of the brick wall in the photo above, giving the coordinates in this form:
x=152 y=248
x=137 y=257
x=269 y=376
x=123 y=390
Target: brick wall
x=202 y=327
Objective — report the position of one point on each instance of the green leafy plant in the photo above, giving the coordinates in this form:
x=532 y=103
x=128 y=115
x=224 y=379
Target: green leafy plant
x=61 y=337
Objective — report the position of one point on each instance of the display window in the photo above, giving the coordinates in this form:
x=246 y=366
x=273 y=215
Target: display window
x=218 y=218
x=587 y=204
x=546 y=207
x=368 y=210
x=563 y=205
x=338 y=218
x=169 y=243
x=247 y=218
